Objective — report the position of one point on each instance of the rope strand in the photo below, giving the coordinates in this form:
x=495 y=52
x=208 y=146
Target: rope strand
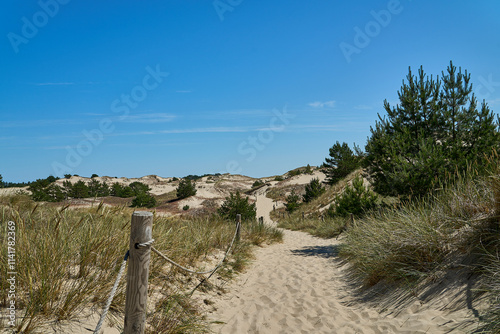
x=198 y=272
x=111 y=295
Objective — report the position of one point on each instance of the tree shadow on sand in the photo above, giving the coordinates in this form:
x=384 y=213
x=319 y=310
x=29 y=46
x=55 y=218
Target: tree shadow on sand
x=329 y=251
x=451 y=290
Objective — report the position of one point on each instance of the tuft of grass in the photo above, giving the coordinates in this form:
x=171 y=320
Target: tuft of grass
x=67 y=260
x=327 y=228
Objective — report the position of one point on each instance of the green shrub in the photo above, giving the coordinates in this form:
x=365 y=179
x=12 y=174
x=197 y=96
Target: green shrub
x=257 y=183
x=355 y=199
x=292 y=202
x=119 y=190
x=98 y=189
x=138 y=187
x=46 y=190
x=236 y=204
x=308 y=170
x=50 y=193
x=144 y=200
x=185 y=207
x=313 y=190
x=77 y=190
x=279 y=178
x=186 y=189
x=294 y=172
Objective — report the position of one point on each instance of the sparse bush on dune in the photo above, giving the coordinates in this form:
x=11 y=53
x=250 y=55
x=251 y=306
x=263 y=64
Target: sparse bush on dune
x=186 y=189
x=313 y=190
x=237 y=204
x=144 y=200
x=292 y=202
x=257 y=183
x=355 y=199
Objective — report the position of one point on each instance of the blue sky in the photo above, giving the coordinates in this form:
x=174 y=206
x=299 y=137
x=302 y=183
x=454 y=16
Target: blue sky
x=131 y=88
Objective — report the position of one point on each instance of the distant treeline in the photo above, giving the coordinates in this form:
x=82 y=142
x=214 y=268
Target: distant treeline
x=47 y=190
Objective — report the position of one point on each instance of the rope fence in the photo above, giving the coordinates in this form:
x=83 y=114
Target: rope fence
x=148 y=245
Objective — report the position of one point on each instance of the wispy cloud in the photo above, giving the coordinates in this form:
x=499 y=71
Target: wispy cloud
x=188 y=130
x=149 y=118
x=494 y=101
x=237 y=114
x=39 y=123
x=363 y=107
x=53 y=83
x=326 y=104
x=209 y=130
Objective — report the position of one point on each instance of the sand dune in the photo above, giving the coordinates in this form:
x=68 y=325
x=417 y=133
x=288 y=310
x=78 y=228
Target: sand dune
x=299 y=286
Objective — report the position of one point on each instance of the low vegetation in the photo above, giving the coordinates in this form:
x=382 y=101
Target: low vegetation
x=186 y=188
x=67 y=260
x=237 y=204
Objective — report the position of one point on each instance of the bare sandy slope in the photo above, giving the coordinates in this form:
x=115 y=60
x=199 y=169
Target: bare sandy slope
x=300 y=286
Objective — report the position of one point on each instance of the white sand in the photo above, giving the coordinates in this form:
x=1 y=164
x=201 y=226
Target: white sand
x=300 y=286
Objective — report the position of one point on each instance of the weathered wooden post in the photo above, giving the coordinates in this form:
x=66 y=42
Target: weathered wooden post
x=238 y=227
x=261 y=220
x=303 y=215
x=137 y=274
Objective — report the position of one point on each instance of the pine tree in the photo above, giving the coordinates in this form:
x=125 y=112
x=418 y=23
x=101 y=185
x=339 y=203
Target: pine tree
x=434 y=130
x=313 y=190
x=355 y=199
x=186 y=189
x=236 y=204
x=292 y=202
x=342 y=161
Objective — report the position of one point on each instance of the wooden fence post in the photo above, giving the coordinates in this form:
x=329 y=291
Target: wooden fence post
x=238 y=228
x=137 y=275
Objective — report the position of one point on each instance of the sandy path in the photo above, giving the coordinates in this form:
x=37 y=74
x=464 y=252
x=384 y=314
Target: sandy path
x=299 y=287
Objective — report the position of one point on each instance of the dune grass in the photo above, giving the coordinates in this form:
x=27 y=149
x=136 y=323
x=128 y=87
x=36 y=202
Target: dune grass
x=323 y=228
x=67 y=260
x=416 y=238
x=423 y=239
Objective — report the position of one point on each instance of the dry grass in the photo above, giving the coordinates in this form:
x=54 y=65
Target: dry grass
x=67 y=260
x=323 y=228
x=424 y=239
